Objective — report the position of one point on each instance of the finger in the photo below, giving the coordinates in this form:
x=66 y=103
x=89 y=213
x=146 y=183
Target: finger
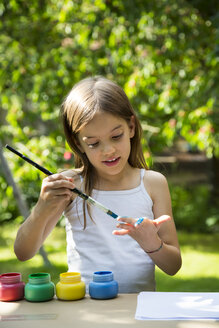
x=126 y=220
x=120 y=232
x=57 y=176
x=163 y=218
x=56 y=184
x=61 y=191
x=124 y=225
x=62 y=197
x=138 y=222
x=62 y=184
x=56 y=195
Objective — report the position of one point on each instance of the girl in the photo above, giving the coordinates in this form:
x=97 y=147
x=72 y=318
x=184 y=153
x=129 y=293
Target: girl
x=104 y=133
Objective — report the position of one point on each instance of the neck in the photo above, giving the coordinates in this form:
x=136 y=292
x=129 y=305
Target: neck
x=127 y=179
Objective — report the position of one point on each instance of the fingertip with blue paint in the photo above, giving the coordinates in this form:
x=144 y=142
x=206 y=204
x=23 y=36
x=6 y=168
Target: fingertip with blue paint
x=139 y=221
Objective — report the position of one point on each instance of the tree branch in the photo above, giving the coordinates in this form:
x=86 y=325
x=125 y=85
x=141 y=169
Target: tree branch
x=21 y=203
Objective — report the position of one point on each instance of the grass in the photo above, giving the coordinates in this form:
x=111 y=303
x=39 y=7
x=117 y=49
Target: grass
x=199 y=272
x=54 y=246
x=200 y=268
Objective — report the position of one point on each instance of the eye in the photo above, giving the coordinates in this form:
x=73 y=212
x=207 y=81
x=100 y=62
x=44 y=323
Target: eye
x=118 y=136
x=93 y=145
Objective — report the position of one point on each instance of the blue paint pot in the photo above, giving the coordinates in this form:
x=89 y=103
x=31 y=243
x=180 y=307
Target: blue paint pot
x=103 y=285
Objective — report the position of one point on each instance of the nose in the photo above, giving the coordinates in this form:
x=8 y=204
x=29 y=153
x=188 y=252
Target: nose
x=108 y=148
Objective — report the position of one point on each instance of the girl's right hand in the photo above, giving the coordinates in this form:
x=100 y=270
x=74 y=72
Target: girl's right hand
x=56 y=191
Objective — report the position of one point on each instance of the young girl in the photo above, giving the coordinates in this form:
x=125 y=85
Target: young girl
x=104 y=133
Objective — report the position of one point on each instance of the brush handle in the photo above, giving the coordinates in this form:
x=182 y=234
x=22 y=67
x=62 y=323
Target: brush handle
x=39 y=167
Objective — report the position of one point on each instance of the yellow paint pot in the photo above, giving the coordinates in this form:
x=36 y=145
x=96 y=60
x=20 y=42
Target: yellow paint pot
x=70 y=287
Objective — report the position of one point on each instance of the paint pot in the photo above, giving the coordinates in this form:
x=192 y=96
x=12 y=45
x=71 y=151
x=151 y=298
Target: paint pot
x=39 y=288
x=11 y=287
x=70 y=287
x=103 y=285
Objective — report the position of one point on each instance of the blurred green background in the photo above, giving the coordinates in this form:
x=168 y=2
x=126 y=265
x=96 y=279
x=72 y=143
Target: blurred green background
x=165 y=54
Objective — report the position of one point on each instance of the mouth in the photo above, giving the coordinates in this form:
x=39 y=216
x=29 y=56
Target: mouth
x=112 y=161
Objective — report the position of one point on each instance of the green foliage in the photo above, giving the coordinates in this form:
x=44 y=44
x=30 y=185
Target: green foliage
x=8 y=206
x=192 y=208
x=162 y=52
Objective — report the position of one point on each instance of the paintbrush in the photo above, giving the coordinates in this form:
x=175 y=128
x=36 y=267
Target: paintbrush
x=88 y=199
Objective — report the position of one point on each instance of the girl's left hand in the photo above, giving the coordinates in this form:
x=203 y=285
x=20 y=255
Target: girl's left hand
x=145 y=232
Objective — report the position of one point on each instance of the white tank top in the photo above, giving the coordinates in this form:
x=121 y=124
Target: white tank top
x=96 y=249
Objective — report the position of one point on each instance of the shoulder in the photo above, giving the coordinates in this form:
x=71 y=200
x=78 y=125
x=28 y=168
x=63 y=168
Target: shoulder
x=155 y=183
x=154 y=176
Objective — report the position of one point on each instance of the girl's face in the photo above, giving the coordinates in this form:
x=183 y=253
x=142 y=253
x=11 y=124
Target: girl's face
x=106 y=142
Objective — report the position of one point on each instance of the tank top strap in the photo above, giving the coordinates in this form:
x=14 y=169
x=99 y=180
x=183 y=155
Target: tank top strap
x=142 y=174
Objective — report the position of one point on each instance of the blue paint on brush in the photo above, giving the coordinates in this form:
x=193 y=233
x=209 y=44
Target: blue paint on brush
x=115 y=216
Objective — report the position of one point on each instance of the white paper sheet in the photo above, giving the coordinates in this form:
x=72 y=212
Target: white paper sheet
x=177 y=306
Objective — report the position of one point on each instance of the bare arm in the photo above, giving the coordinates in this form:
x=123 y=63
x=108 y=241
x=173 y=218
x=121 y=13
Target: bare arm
x=55 y=195
x=150 y=234
x=168 y=258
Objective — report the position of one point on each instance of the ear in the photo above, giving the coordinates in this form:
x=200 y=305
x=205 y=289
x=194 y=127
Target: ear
x=132 y=126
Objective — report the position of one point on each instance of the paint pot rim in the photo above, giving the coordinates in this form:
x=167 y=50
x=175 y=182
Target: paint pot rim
x=70 y=277
x=102 y=276
x=10 y=278
x=39 y=278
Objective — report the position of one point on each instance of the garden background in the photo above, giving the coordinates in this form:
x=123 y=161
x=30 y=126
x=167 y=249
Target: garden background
x=165 y=54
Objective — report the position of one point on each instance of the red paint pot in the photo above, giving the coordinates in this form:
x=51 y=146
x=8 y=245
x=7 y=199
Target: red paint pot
x=11 y=287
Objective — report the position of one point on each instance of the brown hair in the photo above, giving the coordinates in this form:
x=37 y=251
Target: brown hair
x=84 y=100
